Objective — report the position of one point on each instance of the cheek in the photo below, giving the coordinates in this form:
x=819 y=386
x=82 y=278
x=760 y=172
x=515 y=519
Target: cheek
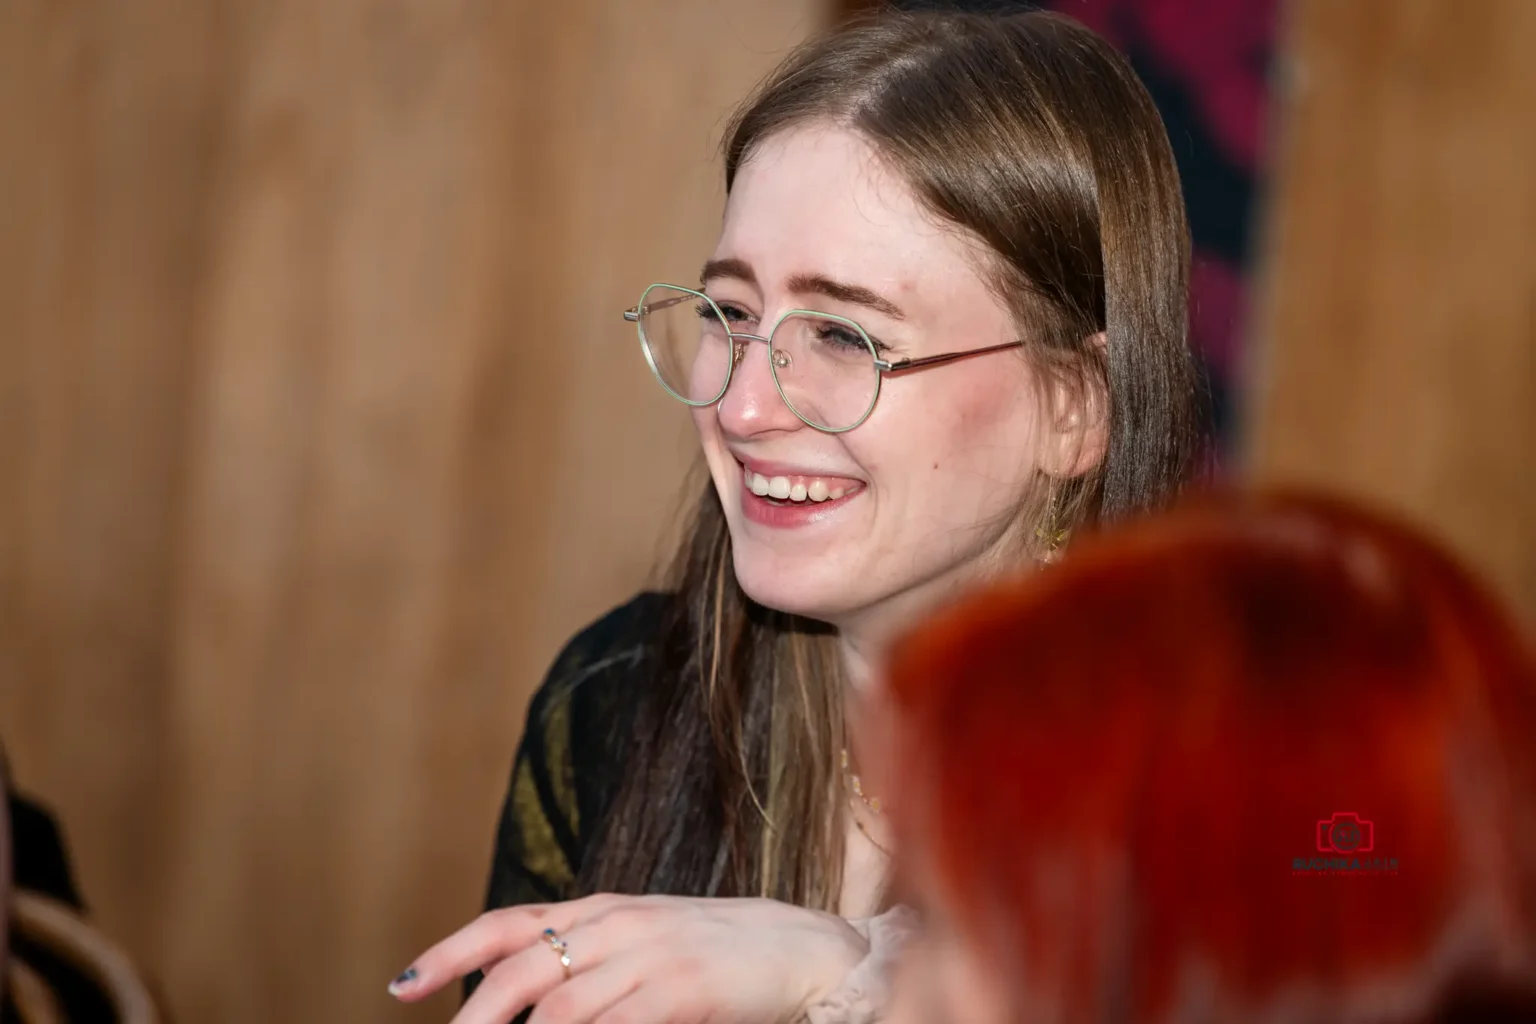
x=976 y=993
x=704 y=424
x=992 y=411
x=710 y=441
x=963 y=438
x=938 y=982
x=919 y=991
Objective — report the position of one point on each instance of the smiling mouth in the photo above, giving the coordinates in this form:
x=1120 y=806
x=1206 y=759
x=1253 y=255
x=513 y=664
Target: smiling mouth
x=796 y=490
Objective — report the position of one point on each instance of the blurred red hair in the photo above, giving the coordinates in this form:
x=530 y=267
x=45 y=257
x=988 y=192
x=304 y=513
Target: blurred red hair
x=1116 y=765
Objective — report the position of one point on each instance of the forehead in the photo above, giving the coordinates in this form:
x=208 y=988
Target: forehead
x=818 y=199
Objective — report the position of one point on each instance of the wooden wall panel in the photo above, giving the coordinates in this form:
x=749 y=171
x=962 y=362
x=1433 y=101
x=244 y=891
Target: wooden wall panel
x=319 y=432
x=1396 y=351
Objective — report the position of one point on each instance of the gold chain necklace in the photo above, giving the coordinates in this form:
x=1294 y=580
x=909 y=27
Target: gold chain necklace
x=872 y=840
x=873 y=803
x=855 y=784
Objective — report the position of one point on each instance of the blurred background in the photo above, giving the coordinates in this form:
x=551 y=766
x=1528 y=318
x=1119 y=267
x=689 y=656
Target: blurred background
x=320 y=430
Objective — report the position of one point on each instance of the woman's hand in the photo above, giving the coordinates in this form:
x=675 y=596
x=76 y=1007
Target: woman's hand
x=643 y=960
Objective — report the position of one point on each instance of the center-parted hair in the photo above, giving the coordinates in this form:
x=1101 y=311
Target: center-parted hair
x=1262 y=758
x=1030 y=136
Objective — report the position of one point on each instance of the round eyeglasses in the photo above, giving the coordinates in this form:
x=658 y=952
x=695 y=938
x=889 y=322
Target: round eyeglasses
x=826 y=368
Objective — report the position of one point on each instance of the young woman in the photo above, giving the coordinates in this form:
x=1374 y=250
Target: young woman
x=943 y=324
x=1298 y=787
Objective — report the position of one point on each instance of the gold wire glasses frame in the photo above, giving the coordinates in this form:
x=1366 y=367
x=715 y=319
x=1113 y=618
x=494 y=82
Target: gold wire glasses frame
x=778 y=361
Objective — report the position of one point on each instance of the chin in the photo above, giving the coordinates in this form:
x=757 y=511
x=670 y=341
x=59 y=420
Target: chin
x=817 y=591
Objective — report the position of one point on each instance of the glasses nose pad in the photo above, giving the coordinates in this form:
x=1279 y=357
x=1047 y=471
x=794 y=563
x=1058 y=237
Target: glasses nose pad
x=738 y=350
x=781 y=359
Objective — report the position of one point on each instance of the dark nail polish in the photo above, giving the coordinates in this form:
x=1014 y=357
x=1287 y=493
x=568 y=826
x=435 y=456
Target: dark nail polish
x=406 y=977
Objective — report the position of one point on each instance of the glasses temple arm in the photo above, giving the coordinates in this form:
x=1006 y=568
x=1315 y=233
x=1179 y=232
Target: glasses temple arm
x=632 y=314
x=912 y=364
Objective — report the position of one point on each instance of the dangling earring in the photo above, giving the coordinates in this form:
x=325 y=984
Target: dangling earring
x=1052 y=534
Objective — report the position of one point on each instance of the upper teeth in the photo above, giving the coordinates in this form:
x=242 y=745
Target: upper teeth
x=780 y=487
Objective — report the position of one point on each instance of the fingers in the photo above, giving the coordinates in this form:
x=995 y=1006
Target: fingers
x=492 y=937
x=512 y=986
x=588 y=994
x=536 y=976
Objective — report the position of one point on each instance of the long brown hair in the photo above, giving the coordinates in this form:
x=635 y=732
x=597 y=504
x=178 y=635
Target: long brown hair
x=1031 y=135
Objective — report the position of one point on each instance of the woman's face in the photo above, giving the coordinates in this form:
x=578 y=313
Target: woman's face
x=929 y=481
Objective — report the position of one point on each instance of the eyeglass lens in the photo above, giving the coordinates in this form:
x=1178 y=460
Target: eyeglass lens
x=824 y=367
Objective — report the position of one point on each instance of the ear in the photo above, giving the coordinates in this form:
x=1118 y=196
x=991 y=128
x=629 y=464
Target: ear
x=1077 y=429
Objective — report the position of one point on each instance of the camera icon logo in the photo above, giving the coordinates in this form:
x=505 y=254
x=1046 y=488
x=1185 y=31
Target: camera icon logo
x=1346 y=832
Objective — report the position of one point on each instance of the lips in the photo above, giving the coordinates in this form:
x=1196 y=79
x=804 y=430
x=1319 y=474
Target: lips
x=781 y=496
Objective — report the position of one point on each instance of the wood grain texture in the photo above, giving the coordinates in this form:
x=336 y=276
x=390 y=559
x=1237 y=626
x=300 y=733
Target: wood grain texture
x=319 y=433
x=1396 y=348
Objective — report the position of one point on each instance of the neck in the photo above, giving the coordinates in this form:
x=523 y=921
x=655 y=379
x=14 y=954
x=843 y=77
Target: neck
x=857 y=661
x=864 y=637
x=867 y=633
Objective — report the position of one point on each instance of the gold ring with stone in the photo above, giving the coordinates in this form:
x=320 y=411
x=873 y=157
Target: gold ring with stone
x=557 y=944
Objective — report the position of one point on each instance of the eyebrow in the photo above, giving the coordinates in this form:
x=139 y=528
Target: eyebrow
x=813 y=284
x=741 y=270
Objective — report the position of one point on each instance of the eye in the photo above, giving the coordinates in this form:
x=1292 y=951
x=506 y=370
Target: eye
x=734 y=314
x=840 y=336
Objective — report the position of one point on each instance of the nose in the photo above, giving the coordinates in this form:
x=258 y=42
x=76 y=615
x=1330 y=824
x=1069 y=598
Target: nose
x=752 y=404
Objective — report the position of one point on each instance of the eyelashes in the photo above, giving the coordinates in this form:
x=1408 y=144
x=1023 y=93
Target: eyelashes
x=833 y=333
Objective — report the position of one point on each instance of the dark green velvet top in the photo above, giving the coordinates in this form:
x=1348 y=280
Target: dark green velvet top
x=571 y=758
